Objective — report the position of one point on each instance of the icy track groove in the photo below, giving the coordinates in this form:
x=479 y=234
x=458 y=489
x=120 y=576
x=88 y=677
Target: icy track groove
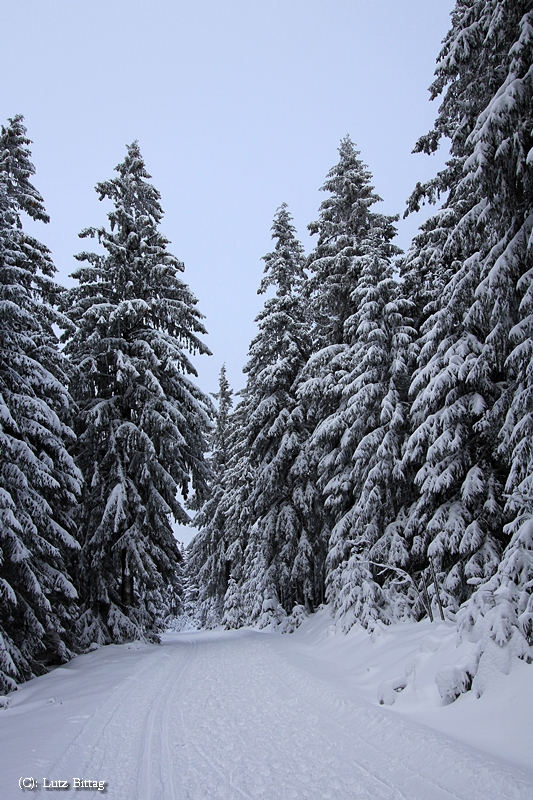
x=224 y=716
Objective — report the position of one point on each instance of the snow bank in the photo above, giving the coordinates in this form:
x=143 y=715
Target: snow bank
x=416 y=670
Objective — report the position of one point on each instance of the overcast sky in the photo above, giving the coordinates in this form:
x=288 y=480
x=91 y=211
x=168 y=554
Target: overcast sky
x=238 y=105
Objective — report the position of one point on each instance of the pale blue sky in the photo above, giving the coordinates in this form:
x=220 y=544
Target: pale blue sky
x=238 y=105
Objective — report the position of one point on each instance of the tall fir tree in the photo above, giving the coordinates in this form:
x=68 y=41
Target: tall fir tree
x=365 y=486
x=236 y=510
x=208 y=566
x=344 y=223
x=280 y=564
x=143 y=422
x=352 y=258
x=39 y=482
x=504 y=604
x=468 y=391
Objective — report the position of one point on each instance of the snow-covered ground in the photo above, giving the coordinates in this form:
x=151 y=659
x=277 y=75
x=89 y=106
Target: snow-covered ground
x=250 y=714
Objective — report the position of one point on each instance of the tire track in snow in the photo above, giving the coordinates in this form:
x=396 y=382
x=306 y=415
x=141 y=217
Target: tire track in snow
x=117 y=743
x=85 y=753
x=159 y=716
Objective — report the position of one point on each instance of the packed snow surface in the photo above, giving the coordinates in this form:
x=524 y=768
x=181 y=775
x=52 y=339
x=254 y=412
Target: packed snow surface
x=257 y=714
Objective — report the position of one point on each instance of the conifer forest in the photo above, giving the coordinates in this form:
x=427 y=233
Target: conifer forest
x=379 y=458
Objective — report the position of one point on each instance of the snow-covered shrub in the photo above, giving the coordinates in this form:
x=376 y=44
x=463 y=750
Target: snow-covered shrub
x=453 y=680
x=499 y=614
x=295 y=619
x=272 y=614
x=233 y=612
x=387 y=690
x=360 y=598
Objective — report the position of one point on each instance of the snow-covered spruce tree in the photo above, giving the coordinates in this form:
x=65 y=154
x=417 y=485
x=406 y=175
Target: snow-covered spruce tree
x=362 y=446
x=468 y=374
x=280 y=563
x=38 y=479
x=351 y=238
x=345 y=221
x=143 y=422
x=206 y=556
x=219 y=556
x=183 y=598
x=502 y=607
x=235 y=508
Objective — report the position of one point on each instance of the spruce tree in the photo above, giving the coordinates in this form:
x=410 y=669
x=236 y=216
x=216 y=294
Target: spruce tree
x=503 y=606
x=350 y=373
x=236 y=509
x=364 y=482
x=207 y=563
x=39 y=482
x=468 y=390
x=344 y=222
x=278 y=568
x=143 y=422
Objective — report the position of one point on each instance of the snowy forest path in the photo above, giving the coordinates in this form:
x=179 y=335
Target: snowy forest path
x=225 y=716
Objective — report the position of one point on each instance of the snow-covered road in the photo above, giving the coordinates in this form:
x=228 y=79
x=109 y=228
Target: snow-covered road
x=227 y=715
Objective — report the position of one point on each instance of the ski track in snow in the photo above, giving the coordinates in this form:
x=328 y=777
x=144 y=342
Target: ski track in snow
x=223 y=715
